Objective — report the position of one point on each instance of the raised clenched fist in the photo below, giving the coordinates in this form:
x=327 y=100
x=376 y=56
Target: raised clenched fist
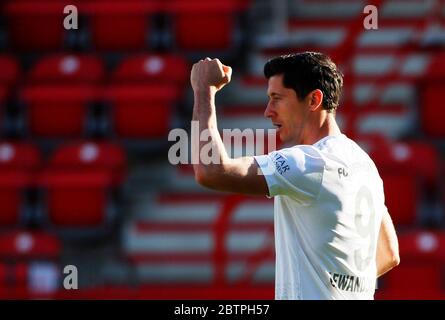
x=210 y=73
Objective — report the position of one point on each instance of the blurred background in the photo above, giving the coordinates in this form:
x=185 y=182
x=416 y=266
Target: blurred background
x=85 y=115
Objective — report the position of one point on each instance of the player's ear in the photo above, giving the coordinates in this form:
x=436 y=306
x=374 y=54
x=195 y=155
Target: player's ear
x=315 y=99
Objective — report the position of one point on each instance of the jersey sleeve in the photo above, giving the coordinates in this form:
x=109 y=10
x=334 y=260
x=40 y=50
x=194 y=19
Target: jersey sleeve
x=296 y=172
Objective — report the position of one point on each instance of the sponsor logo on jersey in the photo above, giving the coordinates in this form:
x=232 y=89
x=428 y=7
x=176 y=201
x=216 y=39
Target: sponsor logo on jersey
x=351 y=283
x=280 y=163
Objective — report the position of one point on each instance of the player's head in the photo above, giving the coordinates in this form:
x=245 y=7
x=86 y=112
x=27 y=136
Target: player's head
x=300 y=86
x=306 y=72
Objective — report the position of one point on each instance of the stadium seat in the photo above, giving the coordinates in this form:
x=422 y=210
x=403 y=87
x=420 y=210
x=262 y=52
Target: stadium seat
x=8 y=79
x=421 y=156
x=404 y=174
x=57 y=111
x=421 y=276
x=10 y=70
x=141 y=111
x=90 y=156
x=18 y=163
x=422 y=245
x=3 y=275
x=431 y=95
x=436 y=69
x=423 y=256
x=397 y=187
x=67 y=69
x=214 y=20
x=35 y=26
x=29 y=260
x=19 y=156
x=22 y=246
x=152 y=69
x=120 y=25
x=3 y=95
x=76 y=200
x=417 y=158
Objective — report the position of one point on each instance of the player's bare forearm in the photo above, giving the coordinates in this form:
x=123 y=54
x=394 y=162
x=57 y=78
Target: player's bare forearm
x=387 y=247
x=213 y=168
x=205 y=113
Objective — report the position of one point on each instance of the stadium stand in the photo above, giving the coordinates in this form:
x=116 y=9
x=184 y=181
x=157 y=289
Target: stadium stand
x=120 y=25
x=19 y=162
x=29 y=265
x=123 y=77
x=81 y=186
x=43 y=19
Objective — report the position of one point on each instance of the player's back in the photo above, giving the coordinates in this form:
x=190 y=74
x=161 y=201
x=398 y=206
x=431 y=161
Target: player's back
x=326 y=234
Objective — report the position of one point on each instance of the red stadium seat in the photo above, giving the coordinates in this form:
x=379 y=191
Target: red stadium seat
x=422 y=245
x=10 y=70
x=26 y=245
x=409 y=171
x=431 y=95
x=67 y=68
x=420 y=276
x=29 y=262
x=57 y=110
x=214 y=21
x=3 y=97
x=436 y=69
x=91 y=157
x=120 y=25
x=141 y=111
x=19 y=156
x=398 y=187
x=153 y=69
x=35 y=26
x=3 y=275
x=421 y=156
x=76 y=199
x=403 y=157
x=9 y=76
x=18 y=162
x=12 y=186
x=423 y=255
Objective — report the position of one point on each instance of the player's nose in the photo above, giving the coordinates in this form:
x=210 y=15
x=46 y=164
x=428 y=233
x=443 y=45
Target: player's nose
x=268 y=112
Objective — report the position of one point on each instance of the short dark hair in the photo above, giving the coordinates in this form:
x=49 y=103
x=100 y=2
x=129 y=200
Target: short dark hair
x=308 y=71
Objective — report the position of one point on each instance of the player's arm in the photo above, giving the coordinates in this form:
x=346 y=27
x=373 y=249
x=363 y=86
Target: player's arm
x=222 y=173
x=387 y=246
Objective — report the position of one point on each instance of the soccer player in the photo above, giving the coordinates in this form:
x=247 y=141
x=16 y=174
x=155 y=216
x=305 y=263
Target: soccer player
x=333 y=233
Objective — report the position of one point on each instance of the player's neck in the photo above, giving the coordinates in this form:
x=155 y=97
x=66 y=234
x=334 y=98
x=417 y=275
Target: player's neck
x=322 y=126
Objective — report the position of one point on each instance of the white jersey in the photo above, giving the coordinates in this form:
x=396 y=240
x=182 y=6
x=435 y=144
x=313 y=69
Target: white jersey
x=329 y=204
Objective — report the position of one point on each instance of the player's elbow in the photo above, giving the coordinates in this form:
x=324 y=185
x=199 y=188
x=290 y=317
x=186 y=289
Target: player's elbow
x=394 y=254
x=205 y=177
x=395 y=261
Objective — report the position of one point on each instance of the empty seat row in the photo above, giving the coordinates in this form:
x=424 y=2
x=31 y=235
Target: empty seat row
x=124 y=25
x=60 y=91
x=227 y=239
x=75 y=188
x=90 y=68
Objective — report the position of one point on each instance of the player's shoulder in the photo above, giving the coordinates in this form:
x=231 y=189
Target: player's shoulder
x=303 y=153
